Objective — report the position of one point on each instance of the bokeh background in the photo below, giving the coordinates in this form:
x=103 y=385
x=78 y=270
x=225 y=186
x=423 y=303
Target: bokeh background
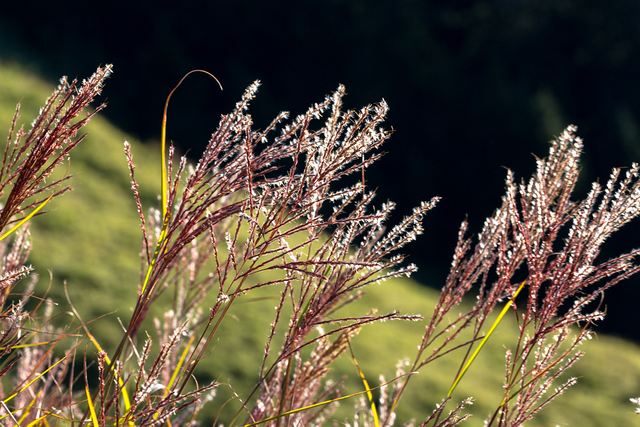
x=474 y=86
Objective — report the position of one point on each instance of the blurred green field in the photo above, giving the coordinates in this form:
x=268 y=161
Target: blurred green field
x=90 y=238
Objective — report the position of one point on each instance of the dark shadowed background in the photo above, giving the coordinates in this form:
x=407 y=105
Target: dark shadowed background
x=474 y=86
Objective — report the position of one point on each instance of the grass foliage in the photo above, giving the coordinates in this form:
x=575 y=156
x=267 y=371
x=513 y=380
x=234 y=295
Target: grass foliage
x=90 y=239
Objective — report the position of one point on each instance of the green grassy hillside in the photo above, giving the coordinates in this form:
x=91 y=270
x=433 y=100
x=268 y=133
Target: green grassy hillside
x=90 y=238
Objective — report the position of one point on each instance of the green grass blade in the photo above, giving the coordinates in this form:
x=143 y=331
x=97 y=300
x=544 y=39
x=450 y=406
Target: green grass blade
x=163 y=176
x=94 y=417
x=374 y=412
x=27 y=218
x=37 y=377
x=163 y=139
x=484 y=340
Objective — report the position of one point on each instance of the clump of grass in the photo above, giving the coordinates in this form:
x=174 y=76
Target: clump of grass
x=30 y=158
x=540 y=234
x=267 y=209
